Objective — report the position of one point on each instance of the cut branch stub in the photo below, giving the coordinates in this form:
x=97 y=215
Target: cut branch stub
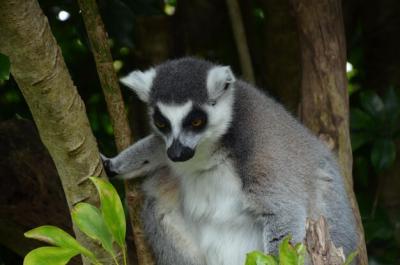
x=319 y=245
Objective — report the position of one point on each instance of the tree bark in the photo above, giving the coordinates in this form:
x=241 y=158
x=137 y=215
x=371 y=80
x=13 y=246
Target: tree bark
x=115 y=104
x=319 y=245
x=108 y=78
x=324 y=96
x=59 y=113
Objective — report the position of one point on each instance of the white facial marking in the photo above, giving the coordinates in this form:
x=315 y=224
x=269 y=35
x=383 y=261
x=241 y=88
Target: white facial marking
x=175 y=115
x=140 y=82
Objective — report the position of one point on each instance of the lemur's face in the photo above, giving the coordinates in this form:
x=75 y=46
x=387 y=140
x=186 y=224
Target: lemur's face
x=190 y=103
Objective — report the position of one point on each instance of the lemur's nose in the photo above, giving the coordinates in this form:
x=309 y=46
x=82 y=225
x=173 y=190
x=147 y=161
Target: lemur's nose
x=178 y=152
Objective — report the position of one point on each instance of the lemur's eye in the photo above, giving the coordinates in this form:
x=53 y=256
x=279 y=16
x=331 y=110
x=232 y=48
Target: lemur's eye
x=160 y=124
x=197 y=122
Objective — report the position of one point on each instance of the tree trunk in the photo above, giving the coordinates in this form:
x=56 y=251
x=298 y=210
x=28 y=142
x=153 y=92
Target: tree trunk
x=324 y=96
x=116 y=109
x=108 y=78
x=59 y=113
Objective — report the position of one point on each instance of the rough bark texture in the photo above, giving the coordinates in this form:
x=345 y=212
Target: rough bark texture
x=116 y=109
x=108 y=78
x=324 y=103
x=319 y=245
x=59 y=113
x=241 y=40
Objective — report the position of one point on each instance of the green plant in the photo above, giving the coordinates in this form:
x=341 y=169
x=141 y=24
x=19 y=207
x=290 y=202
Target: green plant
x=288 y=255
x=377 y=124
x=106 y=225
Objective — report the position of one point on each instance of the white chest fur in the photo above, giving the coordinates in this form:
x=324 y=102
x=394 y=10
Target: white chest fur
x=214 y=210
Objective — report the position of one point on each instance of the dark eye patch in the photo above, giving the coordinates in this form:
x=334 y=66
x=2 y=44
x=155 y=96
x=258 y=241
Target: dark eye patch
x=158 y=118
x=195 y=115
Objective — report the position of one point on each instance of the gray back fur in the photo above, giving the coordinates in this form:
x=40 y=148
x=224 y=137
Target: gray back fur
x=286 y=171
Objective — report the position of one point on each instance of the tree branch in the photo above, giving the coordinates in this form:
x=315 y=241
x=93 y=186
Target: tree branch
x=325 y=99
x=319 y=245
x=116 y=109
x=59 y=113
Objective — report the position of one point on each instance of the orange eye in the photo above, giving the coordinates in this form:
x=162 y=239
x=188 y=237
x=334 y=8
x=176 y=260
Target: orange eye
x=197 y=122
x=160 y=124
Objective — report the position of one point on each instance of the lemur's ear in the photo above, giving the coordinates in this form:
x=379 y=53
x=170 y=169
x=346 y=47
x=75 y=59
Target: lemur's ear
x=140 y=82
x=219 y=80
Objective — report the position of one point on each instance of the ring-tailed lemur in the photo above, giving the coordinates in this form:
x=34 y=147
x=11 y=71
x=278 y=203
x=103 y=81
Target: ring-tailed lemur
x=241 y=172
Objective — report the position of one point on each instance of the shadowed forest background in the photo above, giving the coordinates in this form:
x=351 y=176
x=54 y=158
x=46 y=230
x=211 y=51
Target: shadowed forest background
x=146 y=32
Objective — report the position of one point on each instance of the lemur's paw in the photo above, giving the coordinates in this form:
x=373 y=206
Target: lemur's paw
x=108 y=166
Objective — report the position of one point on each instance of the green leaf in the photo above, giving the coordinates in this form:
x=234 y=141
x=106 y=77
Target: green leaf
x=4 y=67
x=383 y=154
x=90 y=221
x=112 y=210
x=372 y=103
x=301 y=253
x=259 y=258
x=358 y=139
x=58 y=237
x=350 y=258
x=287 y=253
x=392 y=108
x=50 y=256
x=360 y=120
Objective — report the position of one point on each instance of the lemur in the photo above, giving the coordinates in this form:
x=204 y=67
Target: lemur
x=231 y=170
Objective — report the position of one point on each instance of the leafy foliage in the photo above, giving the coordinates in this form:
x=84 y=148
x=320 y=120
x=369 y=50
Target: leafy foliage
x=90 y=220
x=49 y=256
x=375 y=129
x=58 y=237
x=112 y=210
x=377 y=124
x=288 y=255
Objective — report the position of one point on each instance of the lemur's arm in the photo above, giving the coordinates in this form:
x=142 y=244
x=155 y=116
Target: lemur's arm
x=278 y=220
x=141 y=158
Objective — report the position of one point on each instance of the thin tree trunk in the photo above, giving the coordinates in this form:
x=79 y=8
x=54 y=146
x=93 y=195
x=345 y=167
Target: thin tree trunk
x=324 y=103
x=241 y=40
x=108 y=78
x=59 y=113
x=116 y=109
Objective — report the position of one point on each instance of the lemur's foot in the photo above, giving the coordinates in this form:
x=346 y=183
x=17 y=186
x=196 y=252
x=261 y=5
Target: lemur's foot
x=108 y=166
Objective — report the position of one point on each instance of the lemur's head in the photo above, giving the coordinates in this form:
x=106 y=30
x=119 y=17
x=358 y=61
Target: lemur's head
x=190 y=103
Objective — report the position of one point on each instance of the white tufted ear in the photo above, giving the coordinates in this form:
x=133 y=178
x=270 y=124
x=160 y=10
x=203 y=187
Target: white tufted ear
x=219 y=79
x=140 y=82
